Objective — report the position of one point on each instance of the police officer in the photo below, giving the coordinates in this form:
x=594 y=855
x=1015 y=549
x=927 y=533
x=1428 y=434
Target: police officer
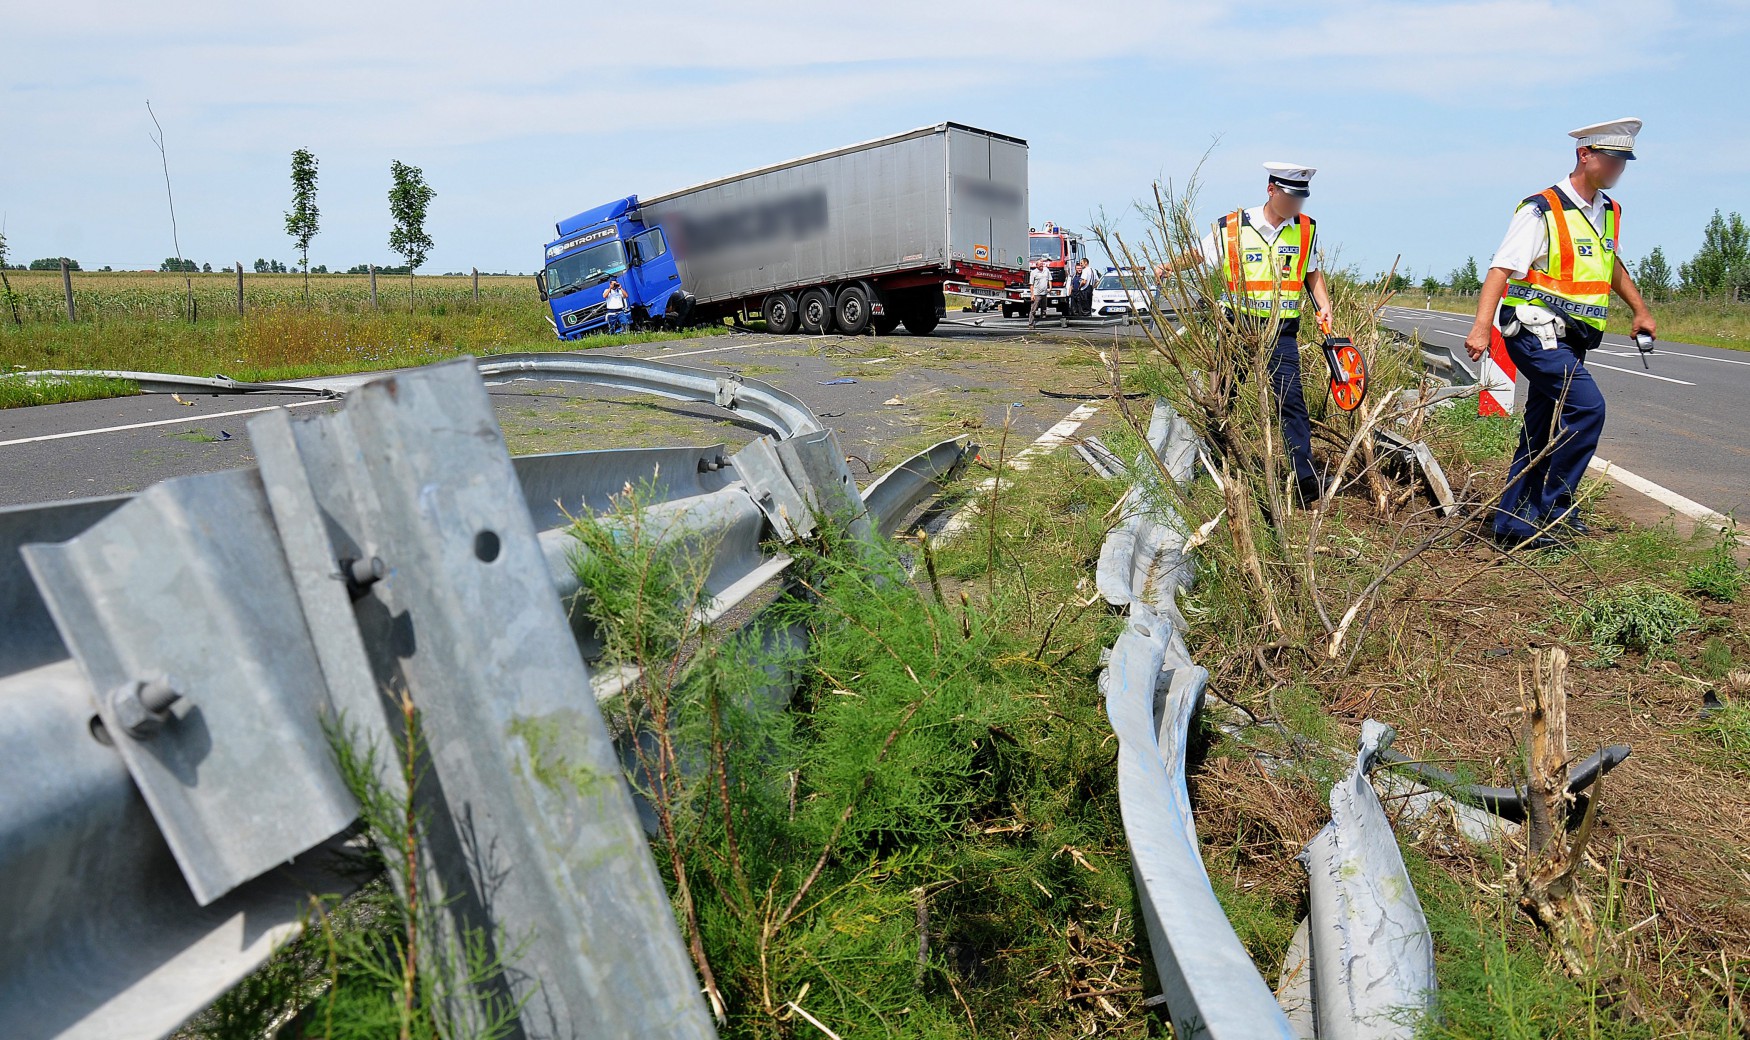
x=1269 y=263
x=1549 y=288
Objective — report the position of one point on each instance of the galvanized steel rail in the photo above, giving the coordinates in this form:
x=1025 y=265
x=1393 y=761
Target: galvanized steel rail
x=184 y=643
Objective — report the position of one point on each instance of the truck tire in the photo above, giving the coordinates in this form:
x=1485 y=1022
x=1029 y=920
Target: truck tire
x=851 y=310
x=885 y=324
x=779 y=310
x=921 y=319
x=814 y=312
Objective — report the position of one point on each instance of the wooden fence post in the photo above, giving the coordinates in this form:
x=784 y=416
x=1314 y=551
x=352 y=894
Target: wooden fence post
x=373 y=268
x=67 y=287
x=239 y=288
x=476 y=285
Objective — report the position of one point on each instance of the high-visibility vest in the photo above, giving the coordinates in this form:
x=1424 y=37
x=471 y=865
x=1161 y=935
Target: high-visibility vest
x=1575 y=280
x=1264 y=278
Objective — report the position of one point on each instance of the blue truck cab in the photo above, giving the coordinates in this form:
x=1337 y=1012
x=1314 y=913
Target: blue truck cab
x=602 y=244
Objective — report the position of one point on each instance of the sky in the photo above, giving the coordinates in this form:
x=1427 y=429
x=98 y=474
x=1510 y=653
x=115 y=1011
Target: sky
x=1427 y=122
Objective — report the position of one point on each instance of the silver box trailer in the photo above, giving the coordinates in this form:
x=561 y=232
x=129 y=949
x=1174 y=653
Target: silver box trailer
x=903 y=215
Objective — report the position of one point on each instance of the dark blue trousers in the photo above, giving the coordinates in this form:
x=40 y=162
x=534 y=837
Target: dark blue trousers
x=1539 y=493
x=1291 y=403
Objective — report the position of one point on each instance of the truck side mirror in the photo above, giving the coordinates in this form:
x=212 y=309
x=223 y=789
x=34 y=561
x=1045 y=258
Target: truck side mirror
x=541 y=284
x=632 y=257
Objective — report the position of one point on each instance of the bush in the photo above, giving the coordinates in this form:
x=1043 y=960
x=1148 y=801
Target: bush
x=1636 y=616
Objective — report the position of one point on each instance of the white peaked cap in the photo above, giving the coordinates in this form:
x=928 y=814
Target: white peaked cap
x=1618 y=135
x=1290 y=177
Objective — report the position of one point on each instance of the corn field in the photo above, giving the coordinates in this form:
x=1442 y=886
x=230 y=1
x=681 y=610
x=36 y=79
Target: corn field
x=104 y=296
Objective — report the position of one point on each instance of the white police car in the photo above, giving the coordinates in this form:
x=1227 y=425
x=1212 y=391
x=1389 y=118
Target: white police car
x=1121 y=293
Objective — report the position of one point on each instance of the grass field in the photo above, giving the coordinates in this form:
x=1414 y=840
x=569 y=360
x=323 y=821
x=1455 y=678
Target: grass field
x=1713 y=323
x=138 y=322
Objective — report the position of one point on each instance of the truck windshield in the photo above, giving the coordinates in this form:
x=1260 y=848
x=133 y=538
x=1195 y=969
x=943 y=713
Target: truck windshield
x=1048 y=246
x=582 y=270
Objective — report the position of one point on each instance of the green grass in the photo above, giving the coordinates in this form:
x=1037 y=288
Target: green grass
x=20 y=393
x=1727 y=731
x=1459 y=432
x=1637 y=616
x=1718 y=576
x=134 y=322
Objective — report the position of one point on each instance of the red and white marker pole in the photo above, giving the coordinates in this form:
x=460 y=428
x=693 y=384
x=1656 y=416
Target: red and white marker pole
x=1497 y=378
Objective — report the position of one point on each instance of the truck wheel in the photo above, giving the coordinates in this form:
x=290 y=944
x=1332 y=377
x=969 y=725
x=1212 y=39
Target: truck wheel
x=852 y=310
x=814 y=312
x=921 y=320
x=779 y=310
x=885 y=324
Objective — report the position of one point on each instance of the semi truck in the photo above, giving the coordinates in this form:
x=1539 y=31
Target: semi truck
x=867 y=236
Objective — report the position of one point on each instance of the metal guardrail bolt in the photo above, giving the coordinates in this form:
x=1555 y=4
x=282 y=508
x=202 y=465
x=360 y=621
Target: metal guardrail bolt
x=142 y=706
x=712 y=465
x=361 y=575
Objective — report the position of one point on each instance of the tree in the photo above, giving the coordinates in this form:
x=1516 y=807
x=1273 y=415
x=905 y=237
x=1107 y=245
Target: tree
x=409 y=197
x=1464 y=279
x=1653 y=274
x=206 y=268
x=52 y=263
x=1430 y=285
x=260 y=266
x=302 y=222
x=1722 y=264
x=178 y=265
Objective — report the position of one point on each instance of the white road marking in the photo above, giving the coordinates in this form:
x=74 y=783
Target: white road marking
x=184 y=421
x=713 y=350
x=1591 y=364
x=1662 y=352
x=1019 y=462
x=301 y=404
x=1634 y=372
x=1679 y=504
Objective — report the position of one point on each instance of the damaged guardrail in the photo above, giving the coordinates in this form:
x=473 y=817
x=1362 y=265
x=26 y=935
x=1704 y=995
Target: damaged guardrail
x=168 y=799
x=1367 y=965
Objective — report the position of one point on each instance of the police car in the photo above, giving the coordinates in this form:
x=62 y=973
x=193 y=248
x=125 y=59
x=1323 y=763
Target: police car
x=1121 y=293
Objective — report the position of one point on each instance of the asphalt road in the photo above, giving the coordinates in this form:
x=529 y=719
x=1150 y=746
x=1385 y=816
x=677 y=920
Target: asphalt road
x=968 y=377
x=1676 y=422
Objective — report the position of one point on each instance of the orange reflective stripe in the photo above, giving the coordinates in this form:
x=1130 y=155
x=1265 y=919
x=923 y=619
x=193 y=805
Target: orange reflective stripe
x=1288 y=286
x=1305 y=249
x=1233 y=250
x=1564 y=238
x=1615 y=227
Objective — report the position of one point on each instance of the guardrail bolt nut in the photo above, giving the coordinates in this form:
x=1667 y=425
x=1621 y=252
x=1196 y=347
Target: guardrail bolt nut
x=361 y=575
x=142 y=706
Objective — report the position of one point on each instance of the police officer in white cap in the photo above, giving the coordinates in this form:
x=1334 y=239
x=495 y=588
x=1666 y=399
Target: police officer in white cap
x=1268 y=266
x=1549 y=287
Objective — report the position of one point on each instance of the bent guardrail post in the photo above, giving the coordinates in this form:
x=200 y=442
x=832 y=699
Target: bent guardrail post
x=1372 y=954
x=532 y=835
x=1507 y=802
x=100 y=932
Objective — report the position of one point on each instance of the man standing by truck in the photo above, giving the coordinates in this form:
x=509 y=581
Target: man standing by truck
x=1268 y=264
x=1039 y=284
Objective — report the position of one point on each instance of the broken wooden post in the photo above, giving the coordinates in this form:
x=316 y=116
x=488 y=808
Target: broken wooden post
x=67 y=287
x=1547 y=892
x=239 y=288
